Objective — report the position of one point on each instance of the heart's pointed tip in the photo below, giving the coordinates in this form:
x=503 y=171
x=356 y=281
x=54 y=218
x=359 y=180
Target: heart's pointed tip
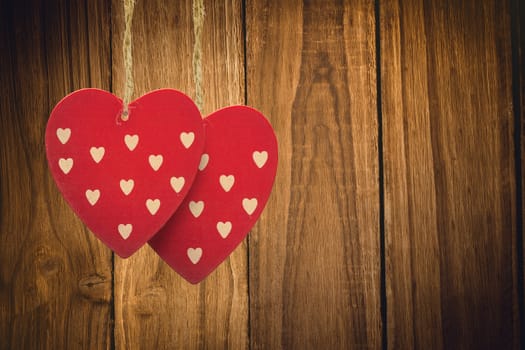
x=123 y=255
x=194 y=280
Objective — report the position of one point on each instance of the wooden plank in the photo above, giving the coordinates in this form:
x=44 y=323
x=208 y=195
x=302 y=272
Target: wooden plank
x=314 y=256
x=155 y=308
x=55 y=277
x=521 y=63
x=450 y=208
x=518 y=11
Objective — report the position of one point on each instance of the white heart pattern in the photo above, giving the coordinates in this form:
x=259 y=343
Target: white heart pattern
x=97 y=153
x=131 y=141
x=155 y=161
x=177 y=183
x=249 y=205
x=127 y=186
x=227 y=182
x=196 y=208
x=204 y=161
x=116 y=175
x=194 y=254
x=260 y=158
x=187 y=138
x=224 y=228
x=64 y=135
x=65 y=165
x=153 y=206
x=125 y=230
x=92 y=196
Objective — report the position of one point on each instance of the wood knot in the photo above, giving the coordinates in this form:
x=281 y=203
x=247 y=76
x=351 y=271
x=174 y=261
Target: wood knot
x=50 y=266
x=95 y=288
x=47 y=263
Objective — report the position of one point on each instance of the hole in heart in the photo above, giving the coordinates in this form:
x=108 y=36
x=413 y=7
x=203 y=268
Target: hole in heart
x=124 y=114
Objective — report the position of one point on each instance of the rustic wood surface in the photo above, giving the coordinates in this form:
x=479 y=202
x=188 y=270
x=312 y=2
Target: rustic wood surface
x=154 y=307
x=315 y=251
x=450 y=203
x=395 y=222
x=518 y=35
x=55 y=277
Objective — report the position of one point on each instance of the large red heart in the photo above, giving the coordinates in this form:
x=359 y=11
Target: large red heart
x=124 y=179
x=235 y=178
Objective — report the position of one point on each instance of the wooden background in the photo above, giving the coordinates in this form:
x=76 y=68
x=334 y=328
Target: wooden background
x=396 y=219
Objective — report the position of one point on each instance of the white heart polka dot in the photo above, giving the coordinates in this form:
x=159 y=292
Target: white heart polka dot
x=97 y=153
x=227 y=182
x=63 y=135
x=196 y=208
x=155 y=161
x=125 y=230
x=92 y=196
x=65 y=165
x=187 y=139
x=131 y=141
x=224 y=228
x=260 y=158
x=127 y=186
x=177 y=183
x=249 y=205
x=153 y=206
x=194 y=254
x=204 y=161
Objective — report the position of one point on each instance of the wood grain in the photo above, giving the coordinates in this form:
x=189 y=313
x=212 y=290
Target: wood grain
x=310 y=277
x=314 y=256
x=449 y=175
x=55 y=277
x=155 y=308
x=518 y=9
x=521 y=64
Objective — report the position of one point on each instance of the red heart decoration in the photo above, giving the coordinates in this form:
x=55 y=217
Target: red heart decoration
x=235 y=178
x=124 y=179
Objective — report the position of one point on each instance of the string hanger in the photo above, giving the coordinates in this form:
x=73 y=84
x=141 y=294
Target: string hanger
x=129 y=6
x=198 y=21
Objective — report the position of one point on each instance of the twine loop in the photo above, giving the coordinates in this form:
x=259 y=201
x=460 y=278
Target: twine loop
x=198 y=20
x=129 y=6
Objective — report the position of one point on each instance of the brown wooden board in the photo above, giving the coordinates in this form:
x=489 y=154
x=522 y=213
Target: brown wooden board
x=55 y=277
x=521 y=124
x=154 y=307
x=518 y=12
x=518 y=27
x=314 y=255
x=450 y=214
x=446 y=134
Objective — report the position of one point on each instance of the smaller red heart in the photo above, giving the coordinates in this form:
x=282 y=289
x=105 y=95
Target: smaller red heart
x=230 y=191
x=124 y=179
